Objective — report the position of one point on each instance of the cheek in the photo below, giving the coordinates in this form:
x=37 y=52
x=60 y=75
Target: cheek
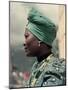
x=33 y=47
x=28 y=43
x=31 y=44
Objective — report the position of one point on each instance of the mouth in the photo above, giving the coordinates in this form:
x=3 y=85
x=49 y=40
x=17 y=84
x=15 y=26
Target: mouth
x=26 y=49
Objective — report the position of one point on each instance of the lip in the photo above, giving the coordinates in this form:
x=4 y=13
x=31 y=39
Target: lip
x=26 y=49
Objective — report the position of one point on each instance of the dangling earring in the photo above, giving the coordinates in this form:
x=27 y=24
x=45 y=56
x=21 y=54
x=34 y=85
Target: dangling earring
x=39 y=43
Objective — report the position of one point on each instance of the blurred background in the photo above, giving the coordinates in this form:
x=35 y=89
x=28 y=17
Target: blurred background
x=19 y=64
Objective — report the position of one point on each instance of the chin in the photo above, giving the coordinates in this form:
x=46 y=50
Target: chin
x=29 y=55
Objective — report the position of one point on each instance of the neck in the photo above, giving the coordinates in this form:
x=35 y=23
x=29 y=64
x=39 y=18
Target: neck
x=42 y=57
x=44 y=52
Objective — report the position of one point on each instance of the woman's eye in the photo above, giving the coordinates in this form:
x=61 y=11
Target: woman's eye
x=26 y=36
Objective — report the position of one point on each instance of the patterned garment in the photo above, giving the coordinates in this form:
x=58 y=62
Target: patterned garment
x=49 y=72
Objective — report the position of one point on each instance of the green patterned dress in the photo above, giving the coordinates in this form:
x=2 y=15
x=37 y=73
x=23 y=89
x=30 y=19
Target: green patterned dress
x=49 y=72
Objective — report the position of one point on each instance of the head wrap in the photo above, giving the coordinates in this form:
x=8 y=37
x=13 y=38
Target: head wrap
x=42 y=27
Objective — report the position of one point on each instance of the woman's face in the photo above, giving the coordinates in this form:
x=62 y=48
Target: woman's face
x=31 y=44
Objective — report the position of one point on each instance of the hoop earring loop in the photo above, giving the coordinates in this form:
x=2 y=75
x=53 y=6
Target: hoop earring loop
x=39 y=43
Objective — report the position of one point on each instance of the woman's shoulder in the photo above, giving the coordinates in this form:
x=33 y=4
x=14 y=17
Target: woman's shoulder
x=55 y=64
x=55 y=73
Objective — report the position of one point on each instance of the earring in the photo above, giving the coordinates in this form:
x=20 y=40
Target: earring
x=39 y=43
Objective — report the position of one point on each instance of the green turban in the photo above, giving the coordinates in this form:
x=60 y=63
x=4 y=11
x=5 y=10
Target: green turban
x=42 y=27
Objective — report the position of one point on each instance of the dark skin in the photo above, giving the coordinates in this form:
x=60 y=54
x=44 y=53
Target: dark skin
x=33 y=49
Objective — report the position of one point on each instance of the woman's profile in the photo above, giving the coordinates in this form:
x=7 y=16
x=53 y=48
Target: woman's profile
x=40 y=32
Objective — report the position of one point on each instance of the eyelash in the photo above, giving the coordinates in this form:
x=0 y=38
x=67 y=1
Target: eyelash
x=26 y=36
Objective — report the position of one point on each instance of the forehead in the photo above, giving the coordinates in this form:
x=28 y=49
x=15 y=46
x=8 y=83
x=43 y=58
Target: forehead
x=27 y=31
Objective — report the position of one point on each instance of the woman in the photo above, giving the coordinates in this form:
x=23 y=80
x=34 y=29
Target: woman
x=39 y=35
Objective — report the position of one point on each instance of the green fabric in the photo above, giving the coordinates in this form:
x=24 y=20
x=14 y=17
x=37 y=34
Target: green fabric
x=42 y=27
x=50 y=72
